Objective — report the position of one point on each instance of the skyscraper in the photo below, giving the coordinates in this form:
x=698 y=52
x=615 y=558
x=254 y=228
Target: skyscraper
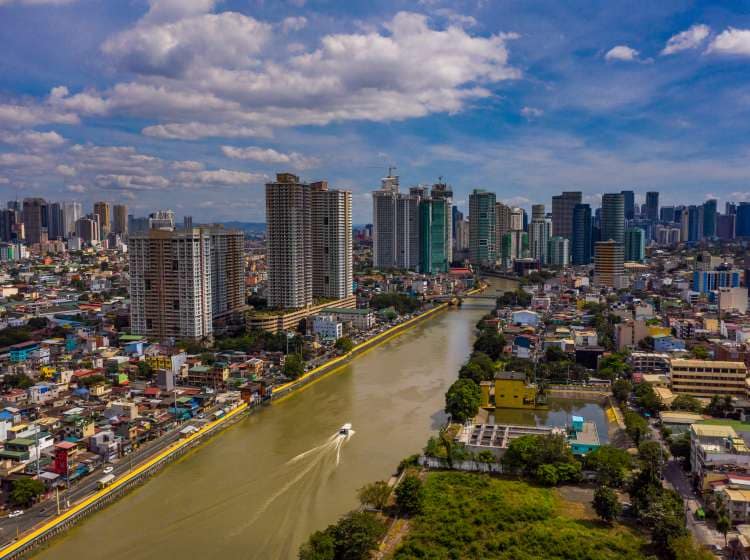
x=562 y=212
x=581 y=244
x=102 y=210
x=559 y=251
x=331 y=241
x=8 y=221
x=482 y=237
x=502 y=224
x=72 y=212
x=725 y=226
x=613 y=217
x=608 y=264
x=635 y=245
x=709 y=218
x=652 y=206
x=539 y=234
x=56 y=225
x=443 y=191
x=120 y=219
x=170 y=284
x=309 y=242
x=34 y=219
x=742 y=223
x=395 y=219
x=433 y=226
x=629 y=202
x=667 y=214
x=227 y=270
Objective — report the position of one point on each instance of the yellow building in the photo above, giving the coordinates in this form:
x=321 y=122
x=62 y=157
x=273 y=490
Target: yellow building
x=512 y=390
x=706 y=378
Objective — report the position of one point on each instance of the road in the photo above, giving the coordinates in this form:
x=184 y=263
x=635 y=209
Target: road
x=45 y=510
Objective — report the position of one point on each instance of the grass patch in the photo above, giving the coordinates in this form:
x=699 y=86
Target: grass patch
x=469 y=516
x=736 y=424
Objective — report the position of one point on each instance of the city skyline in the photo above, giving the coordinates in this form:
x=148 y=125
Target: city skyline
x=532 y=102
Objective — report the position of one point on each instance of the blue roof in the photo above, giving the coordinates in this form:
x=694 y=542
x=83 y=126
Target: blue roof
x=577 y=418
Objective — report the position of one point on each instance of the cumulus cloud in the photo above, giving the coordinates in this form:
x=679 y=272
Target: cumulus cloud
x=270 y=156
x=132 y=182
x=66 y=170
x=32 y=140
x=731 y=41
x=225 y=177
x=36 y=2
x=295 y=23
x=691 y=38
x=76 y=188
x=196 y=130
x=622 y=52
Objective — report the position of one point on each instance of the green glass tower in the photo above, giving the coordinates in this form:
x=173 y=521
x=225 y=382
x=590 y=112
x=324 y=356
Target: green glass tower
x=433 y=235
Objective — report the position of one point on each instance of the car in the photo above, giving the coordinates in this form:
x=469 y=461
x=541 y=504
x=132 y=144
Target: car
x=108 y=469
x=17 y=513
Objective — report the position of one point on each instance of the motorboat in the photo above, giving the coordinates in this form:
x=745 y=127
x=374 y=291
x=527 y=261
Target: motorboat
x=345 y=429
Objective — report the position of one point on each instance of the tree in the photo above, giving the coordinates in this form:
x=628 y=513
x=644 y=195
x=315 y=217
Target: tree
x=606 y=504
x=491 y=343
x=475 y=372
x=651 y=457
x=547 y=474
x=699 y=353
x=344 y=344
x=320 y=546
x=665 y=517
x=621 y=390
x=679 y=447
x=610 y=463
x=723 y=524
x=462 y=400
x=635 y=426
x=555 y=354
x=685 y=548
x=375 y=494
x=687 y=402
x=25 y=491
x=352 y=538
x=720 y=406
x=410 y=495
x=294 y=366
x=486 y=456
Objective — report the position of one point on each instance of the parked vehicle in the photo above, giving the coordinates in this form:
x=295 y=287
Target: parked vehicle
x=17 y=513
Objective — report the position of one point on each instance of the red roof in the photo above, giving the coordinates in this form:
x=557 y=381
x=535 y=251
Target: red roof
x=65 y=445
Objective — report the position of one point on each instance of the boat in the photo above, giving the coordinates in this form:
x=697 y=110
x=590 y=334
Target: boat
x=345 y=429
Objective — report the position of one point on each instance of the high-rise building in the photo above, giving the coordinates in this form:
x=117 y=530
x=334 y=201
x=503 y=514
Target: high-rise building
x=652 y=206
x=709 y=218
x=456 y=217
x=608 y=264
x=331 y=241
x=56 y=225
x=667 y=214
x=72 y=212
x=613 y=217
x=395 y=219
x=8 y=220
x=34 y=219
x=562 y=213
x=309 y=242
x=539 y=234
x=102 y=209
x=289 y=242
x=482 y=236
x=227 y=270
x=87 y=229
x=742 y=223
x=629 y=204
x=462 y=236
x=161 y=219
x=502 y=224
x=443 y=191
x=581 y=243
x=170 y=284
x=120 y=219
x=433 y=222
x=725 y=224
x=635 y=245
x=559 y=251
x=516 y=219
x=515 y=245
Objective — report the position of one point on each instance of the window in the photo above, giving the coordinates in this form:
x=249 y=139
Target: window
x=176 y=305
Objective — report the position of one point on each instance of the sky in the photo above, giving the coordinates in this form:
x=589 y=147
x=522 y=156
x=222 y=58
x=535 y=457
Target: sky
x=194 y=105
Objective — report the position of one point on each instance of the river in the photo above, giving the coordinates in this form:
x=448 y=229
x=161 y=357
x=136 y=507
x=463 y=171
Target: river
x=257 y=490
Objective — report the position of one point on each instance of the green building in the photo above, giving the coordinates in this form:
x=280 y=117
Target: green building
x=434 y=235
x=482 y=242
x=635 y=245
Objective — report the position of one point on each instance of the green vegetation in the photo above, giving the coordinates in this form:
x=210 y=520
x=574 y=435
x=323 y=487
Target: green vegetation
x=476 y=516
x=621 y=390
x=480 y=367
x=14 y=335
x=258 y=340
x=462 y=400
x=400 y=302
x=17 y=381
x=344 y=344
x=635 y=426
x=490 y=342
x=687 y=402
x=25 y=490
x=518 y=298
x=611 y=464
x=613 y=366
x=606 y=504
x=545 y=459
x=720 y=407
x=352 y=538
x=375 y=494
x=647 y=398
x=294 y=366
x=410 y=495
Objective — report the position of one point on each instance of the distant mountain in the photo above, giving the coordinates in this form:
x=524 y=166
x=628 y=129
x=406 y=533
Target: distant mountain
x=247 y=227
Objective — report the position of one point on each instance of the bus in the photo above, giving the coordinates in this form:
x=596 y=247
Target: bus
x=105 y=481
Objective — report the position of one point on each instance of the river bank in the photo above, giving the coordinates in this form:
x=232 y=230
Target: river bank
x=138 y=475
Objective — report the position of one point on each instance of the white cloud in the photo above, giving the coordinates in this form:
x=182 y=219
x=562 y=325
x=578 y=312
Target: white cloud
x=270 y=156
x=295 y=23
x=621 y=52
x=76 y=188
x=170 y=10
x=14 y=159
x=170 y=49
x=132 y=182
x=4 y=180
x=691 y=38
x=187 y=165
x=66 y=170
x=195 y=130
x=36 y=2
x=32 y=140
x=31 y=114
x=531 y=112
x=221 y=177
x=731 y=41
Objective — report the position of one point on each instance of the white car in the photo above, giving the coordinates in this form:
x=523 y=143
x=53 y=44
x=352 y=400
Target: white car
x=17 y=513
x=108 y=470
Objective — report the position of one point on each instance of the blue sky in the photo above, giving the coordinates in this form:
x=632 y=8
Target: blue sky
x=194 y=104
